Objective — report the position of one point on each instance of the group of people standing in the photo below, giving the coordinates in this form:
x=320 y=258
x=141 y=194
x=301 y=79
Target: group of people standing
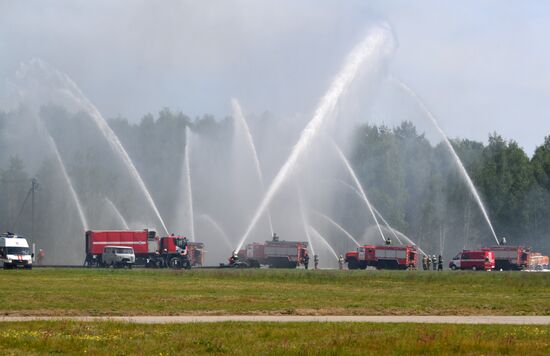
x=435 y=262
x=305 y=261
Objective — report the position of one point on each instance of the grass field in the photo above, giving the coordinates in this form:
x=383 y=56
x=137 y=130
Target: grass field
x=298 y=292
x=268 y=338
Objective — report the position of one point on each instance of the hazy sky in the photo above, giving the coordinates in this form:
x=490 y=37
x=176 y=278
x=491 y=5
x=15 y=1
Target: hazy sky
x=481 y=66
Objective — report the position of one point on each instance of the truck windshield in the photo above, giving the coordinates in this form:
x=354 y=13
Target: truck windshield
x=125 y=251
x=180 y=243
x=18 y=251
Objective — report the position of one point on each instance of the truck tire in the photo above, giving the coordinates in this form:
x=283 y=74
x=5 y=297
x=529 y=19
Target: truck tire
x=174 y=263
x=474 y=268
x=453 y=267
x=353 y=264
x=253 y=263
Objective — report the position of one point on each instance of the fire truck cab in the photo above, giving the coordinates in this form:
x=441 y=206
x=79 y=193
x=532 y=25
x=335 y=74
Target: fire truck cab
x=176 y=254
x=475 y=260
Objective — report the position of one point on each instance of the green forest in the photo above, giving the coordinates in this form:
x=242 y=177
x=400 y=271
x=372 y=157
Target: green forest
x=412 y=182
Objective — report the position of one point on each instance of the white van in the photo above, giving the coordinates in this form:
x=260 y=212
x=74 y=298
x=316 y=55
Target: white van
x=118 y=256
x=15 y=252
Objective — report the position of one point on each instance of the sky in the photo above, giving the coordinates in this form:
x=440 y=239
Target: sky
x=481 y=66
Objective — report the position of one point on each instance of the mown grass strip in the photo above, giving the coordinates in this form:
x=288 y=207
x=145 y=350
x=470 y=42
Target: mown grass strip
x=295 y=292
x=270 y=338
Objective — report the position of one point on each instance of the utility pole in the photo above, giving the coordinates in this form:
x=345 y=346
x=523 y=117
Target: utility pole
x=34 y=188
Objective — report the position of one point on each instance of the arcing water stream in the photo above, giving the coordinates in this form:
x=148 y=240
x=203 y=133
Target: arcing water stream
x=69 y=183
x=372 y=47
x=305 y=222
x=69 y=89
x=339 y=227
x=394 y=232
x=358 y=184
x=187 y=182
x=240 y=122
x=119 y=216
x=218 y=228
x=325 y=242
x=457 y=160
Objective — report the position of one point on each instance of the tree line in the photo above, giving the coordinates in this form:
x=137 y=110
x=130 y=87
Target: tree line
x=414 y=183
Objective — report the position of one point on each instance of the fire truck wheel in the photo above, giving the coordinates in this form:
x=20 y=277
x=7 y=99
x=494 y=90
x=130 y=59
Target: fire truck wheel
x=474 y=268
x=175 y=263
x=453 y=267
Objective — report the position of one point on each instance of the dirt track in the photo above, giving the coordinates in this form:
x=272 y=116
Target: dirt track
x=526 y=320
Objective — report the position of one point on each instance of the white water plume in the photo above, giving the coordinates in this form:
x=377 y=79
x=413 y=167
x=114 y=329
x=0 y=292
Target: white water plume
x=409 y=240
x=325 y=242
x=117 y=213
x=358 y=184
x=68 y=89
x=305 y=222
x=187 y=183
x=338 y=226
x=218 y=228
x=69 y=182
x=451 y=149
x=396 y=233
x=385 y=222
x=374 y=47
x=242 y=126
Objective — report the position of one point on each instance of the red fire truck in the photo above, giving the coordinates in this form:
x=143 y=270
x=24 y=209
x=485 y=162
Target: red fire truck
x=274 y=253
x=149 y=249
x=383 y=257
x=475 y=260
x=510 y=257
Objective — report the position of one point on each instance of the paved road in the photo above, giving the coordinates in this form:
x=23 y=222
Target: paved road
x=526 y=320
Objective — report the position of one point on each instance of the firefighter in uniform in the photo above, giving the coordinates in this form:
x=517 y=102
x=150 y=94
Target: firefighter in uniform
x=424 y=263
x=306 y=260
x=428 y=261
x=40 y=257
x=316 y=261
x=184 y=252
x=440 y=263
x=234 y=258
x=165 y=258
x=434 y=262
x=341 y=262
